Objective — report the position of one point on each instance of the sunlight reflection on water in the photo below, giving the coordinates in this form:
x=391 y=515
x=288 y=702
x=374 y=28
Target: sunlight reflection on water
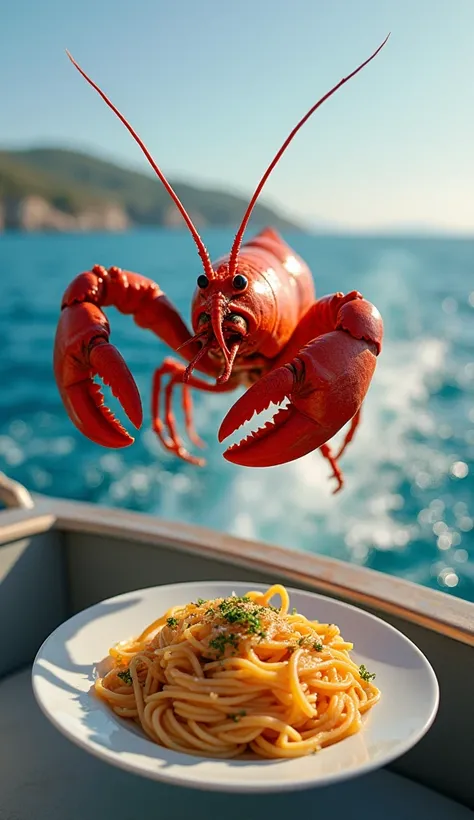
x=407 y=507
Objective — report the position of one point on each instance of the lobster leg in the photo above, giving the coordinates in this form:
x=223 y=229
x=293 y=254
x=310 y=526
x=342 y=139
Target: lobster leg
x=324 y=374
x=327 y=453
x=175 y=370
x=82 y=349
x=350 y=434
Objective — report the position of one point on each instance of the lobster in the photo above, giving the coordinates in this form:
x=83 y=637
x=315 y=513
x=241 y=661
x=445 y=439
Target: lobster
x=256 y=323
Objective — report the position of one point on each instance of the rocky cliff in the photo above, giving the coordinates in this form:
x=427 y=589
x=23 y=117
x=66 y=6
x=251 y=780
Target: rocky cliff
x=52 y=189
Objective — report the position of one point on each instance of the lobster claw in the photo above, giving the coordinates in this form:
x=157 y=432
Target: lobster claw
x=81 y=351
x=324 y=385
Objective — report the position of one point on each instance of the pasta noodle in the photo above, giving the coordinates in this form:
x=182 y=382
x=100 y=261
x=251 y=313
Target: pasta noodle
x=231 y=675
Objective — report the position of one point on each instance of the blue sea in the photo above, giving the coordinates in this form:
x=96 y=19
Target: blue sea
x=408 y=505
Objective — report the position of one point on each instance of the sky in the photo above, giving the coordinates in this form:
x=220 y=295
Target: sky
x=215 y=87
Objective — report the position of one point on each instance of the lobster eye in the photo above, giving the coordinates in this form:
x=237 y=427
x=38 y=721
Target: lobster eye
x=202 y=281
x=239 y=282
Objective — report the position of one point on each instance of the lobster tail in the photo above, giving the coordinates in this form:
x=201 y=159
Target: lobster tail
x=240 y=233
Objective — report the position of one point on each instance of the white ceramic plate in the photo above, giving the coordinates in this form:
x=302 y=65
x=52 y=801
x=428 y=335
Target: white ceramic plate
x=65 y=668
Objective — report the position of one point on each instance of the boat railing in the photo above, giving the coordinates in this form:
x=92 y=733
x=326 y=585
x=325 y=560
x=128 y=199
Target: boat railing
x=13 y=494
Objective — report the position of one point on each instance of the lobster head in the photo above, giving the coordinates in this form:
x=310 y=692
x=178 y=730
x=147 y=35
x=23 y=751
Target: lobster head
x=226 y=315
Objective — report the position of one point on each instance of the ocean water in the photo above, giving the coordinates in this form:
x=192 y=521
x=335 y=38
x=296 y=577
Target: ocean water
x=408 y=505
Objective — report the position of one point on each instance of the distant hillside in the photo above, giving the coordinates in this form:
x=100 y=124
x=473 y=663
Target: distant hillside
x=56 y=189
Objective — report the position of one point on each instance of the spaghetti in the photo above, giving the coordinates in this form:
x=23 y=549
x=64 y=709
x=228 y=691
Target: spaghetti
x=221 y=677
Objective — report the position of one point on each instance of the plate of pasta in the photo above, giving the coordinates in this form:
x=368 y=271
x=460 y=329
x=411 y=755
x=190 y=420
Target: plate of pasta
x=235 y=686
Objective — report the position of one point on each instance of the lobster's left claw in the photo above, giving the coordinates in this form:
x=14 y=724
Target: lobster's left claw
x=325 y=384
x=81 y=351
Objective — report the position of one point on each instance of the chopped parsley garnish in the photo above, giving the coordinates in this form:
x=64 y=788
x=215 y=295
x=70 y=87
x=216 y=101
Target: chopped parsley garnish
x=365 y=674
x=293 y=611
x=223 y=640
x=233 y=612
x=172 y=622
x=125 y=676
x=245 y=615
x=236 y=717
x=307 y=641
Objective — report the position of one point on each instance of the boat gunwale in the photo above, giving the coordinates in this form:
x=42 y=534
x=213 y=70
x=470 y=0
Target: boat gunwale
x=435 y=610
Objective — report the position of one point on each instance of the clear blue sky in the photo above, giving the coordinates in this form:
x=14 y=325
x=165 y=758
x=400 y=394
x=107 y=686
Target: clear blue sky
x=214 y=88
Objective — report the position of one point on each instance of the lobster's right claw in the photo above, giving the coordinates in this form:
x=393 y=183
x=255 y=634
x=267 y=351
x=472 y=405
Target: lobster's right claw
x=81 y=351
x=324 y=386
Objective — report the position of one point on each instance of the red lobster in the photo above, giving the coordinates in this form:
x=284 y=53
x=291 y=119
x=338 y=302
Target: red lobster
x=256 y=323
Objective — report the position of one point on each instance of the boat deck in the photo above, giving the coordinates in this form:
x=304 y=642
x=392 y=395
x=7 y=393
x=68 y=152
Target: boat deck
x=57 y=558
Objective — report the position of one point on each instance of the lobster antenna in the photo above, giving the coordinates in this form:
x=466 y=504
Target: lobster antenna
x=200 y=244
x=240 y=233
